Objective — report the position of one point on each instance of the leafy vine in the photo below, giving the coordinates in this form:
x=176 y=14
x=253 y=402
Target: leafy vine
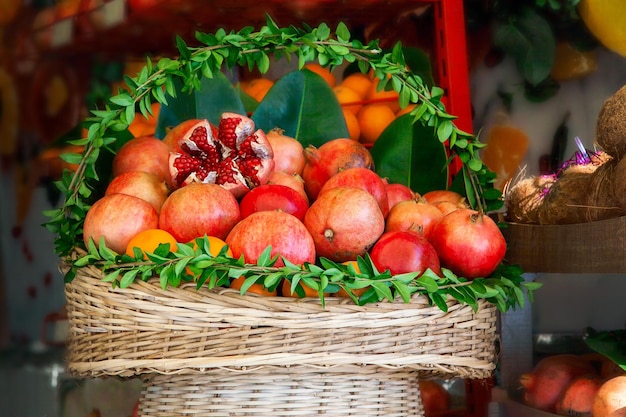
x=253 y=49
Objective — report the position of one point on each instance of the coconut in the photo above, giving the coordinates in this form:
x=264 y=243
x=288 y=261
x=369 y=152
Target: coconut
x=601 y=200
x=524 y=199
x=619 y=184
x=611 y=124
x=567 y=200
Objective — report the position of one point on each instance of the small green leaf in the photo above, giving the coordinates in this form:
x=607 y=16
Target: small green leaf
x=428 y=283
x=128 y=278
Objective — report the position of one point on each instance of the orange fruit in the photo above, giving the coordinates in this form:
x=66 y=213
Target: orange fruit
x=352 y=124
x=358 y=292
x=373 y=120
x=148 y=240
x=308 y=291
x=215 y=246
x=359 y=83
x=406 y=110
x=255 y=288
x=348 y=98
x=571 y=63
x=323 y=72
x=388 y=98
x=505 y=149
x=258 y=88
x=142 y=126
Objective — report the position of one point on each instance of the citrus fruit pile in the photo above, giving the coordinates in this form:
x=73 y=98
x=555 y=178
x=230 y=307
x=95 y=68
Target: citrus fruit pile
x=235 y=192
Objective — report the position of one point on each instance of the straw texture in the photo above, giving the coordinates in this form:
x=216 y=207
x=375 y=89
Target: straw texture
x=145 y=329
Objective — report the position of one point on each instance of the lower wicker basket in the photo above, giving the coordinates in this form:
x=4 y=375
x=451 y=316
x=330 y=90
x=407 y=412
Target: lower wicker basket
x=217 y=353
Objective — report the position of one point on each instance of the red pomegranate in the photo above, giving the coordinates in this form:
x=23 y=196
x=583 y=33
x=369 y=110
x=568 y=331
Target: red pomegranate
x=414 y=216
x=145 y=153
x=434 y=196
x=469 y=243
x=140 y=184
x=199 y=209
x=273 y=197
x=333 y=156
x=398 y=192
x=363 y=178
x=288 y=152
x=550 y=376
x=345 y=222
x=294 y=181
x=238 y=158
x=403 y=251
x=435 y=399
x=118 y=218
x=283 y=232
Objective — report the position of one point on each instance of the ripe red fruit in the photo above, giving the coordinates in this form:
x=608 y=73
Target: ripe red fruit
x=398 y=192
x=273 y=197
x=145 y=153
x=284 y=232
x=345 y=222
x=118 y=218
x=578 y=397
x=288 y=152
x=435 y=196
x=294 y=181
x=415 y=216
x=435 y=399
x=330 y=158
x=363 y=178
x=197 y=210
x=236 y=157
x=403 y=251
x=550 y=376
x=469 y=243
x=140 y=184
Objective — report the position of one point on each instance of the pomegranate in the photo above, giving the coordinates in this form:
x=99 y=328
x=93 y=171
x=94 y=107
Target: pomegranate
x=363 y=178
x=611 y=398
x=273 y=197
x=118 y=218
x=294 y=181
x=550 y=376
x=469 y=243
x=414 y=216
x=288 y=152
x=335 y=155
x=238 y=158
x=199 y=209
x=577 y=398
x=448 y=206
x=435 y=398
x=443 y=195
x=398 y=192
x=145 y=153
x=345 y=222
x=140 y=184
x=285 y=233
x=403 y=251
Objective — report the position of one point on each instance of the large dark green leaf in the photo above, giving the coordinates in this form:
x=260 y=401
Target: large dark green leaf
x=611 y=344
x=217 y=95
x=411 y=154
x=530 y=41
x=304 y=106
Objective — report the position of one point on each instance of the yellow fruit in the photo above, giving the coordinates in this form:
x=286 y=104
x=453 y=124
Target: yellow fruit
x=149 y=240
x=352 y=124
x=359 y=83
x=322 y=72
x=348 y=98
x=373 y=120
x=606 y=20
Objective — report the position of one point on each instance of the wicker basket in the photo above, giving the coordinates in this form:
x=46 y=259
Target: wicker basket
x=203 y=352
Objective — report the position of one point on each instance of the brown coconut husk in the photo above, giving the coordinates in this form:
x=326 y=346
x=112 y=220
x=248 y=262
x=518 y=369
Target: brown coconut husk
x=525 y=197
x=619 y=184
x=601 y=202
x=567 y=200
x=611 y=124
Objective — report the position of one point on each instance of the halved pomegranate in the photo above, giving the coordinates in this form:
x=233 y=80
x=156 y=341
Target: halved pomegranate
x=234 y=155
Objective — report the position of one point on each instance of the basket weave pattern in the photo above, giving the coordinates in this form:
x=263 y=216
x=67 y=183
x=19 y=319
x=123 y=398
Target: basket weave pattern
x=144 y=329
